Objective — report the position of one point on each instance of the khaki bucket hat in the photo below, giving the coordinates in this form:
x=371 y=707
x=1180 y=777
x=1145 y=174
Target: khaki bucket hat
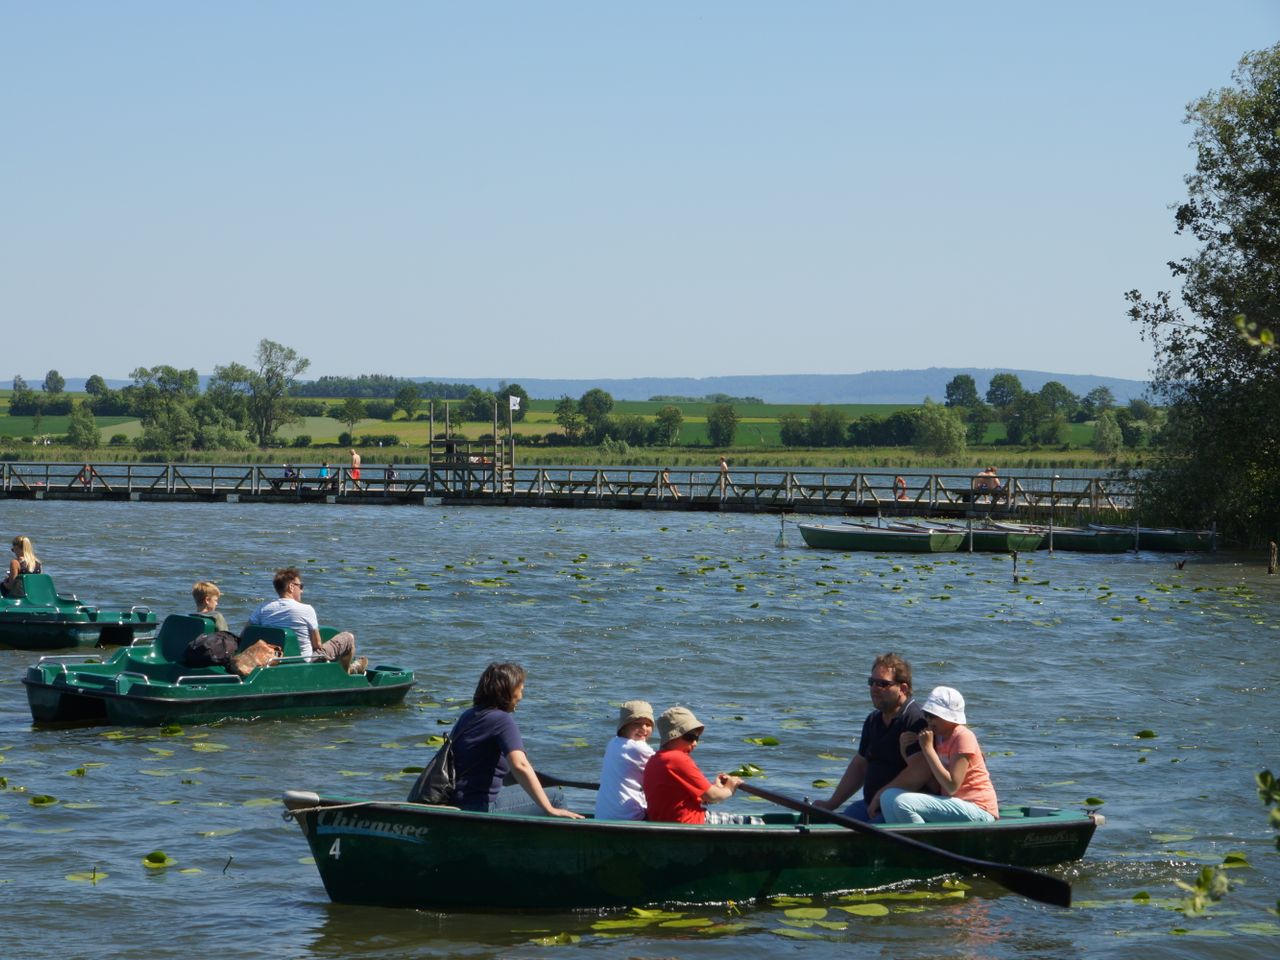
x=634 y=710
x=676 y=722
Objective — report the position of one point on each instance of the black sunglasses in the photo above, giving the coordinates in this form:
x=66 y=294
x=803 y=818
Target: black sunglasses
x=692 y=737
x=876 y=682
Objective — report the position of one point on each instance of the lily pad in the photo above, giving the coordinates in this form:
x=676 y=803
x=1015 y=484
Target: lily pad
x=157 y=860
x=865 y=909
x=88 y=876
x=42 y=800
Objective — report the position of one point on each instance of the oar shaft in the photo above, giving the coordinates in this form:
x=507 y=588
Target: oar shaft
x=1020 y=880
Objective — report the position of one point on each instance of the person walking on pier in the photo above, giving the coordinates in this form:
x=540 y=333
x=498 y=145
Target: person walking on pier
x=355 y=469
x=666 y=485
x=726 y=482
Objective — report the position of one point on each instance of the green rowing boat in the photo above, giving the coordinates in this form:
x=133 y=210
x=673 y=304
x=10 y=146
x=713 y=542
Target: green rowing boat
x=393 y=854
x=864 y=537
x=1163 y=539
x=37 y=617
x=1077 y=539
x=150 y=685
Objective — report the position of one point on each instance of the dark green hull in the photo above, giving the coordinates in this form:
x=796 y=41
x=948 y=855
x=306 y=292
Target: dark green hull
x=878 y=539
x=149 y=685
x=1078 y=539
x=39 y=618
x=1165 y=539
x=409 y=855
x=287 y=690
x=992 y=540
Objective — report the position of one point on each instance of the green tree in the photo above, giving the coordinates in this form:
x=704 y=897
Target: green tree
x=962 y=391
x=977 y=418
x=82 y=431
x=940 y=431
x=827 y=426
x=266 y=389
x=667 y=425
x=570 y=420
x=1025 y=419
x=350 y=413
x=1217 y=374
x=477 y=406
x=1106 y=433
x=595 y=405
x=53 y=382
x=793 y=430
x=1058 y=399
x=95 y=386
x=1141 y=409
x=408 y=399
x=1003 y=389
x=1096 y=401
x=722 y=425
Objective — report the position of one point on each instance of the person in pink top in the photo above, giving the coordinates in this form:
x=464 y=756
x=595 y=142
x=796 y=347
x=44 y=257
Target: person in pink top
x=951 y=750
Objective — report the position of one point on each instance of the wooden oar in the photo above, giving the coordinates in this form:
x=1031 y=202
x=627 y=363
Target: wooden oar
x=1028 y=883
x=551 y=780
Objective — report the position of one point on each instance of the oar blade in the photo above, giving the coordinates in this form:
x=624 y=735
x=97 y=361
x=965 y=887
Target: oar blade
x=1028 y=883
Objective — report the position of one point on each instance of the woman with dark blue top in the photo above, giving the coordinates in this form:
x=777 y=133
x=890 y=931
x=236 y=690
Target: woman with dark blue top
x=487 y=745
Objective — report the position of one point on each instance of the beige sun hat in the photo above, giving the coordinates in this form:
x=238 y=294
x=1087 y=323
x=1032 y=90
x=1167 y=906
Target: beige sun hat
x=634 y=710
x=676 y=722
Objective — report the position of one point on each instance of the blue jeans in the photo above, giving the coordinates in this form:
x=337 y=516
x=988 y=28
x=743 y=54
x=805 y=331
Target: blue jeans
x=858 y=811
x=899 y=806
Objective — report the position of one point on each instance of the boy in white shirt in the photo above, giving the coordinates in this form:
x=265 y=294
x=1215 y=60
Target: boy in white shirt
x=621 y=794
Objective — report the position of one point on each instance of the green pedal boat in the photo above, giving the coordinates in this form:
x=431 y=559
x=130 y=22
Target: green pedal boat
x=150 y=685
x=37 y=617
x=391 y=854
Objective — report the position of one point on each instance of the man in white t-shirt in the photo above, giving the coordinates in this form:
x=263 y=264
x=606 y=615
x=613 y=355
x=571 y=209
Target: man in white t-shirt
x=288 y=610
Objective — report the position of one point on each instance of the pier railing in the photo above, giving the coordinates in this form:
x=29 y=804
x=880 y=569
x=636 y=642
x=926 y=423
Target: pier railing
x=475 y=479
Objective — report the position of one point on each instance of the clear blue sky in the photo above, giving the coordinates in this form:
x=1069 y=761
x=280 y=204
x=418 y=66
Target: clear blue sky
x=593 y=189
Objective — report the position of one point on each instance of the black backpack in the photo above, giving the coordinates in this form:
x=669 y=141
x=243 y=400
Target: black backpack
x=211 y=650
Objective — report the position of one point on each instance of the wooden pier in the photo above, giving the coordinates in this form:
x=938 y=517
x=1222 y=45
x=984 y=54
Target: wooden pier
x=462 y=473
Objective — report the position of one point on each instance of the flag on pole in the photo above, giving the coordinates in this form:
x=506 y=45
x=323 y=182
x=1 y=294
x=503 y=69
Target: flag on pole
x=515 y=402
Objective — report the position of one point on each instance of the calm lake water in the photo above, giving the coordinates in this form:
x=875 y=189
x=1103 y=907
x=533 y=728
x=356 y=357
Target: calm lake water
x=1061 y=671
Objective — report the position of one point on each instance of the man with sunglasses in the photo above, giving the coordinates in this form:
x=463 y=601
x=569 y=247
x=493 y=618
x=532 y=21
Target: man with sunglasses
x=880 y=761
x=288 y=610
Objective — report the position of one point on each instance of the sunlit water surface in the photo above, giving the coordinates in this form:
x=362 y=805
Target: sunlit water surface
x=1061 y=670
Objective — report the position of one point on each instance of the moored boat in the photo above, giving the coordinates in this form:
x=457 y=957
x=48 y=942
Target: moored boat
x=991 y=539
x=1077 y=539
x=1163 y=539
x=150 y=685
x=37 y=617
x=399 y=854
x=893 y=539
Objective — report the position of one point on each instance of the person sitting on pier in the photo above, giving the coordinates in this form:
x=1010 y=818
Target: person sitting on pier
x=206 y=596
x=24 y=561
x=621 y=793
x=288 y=610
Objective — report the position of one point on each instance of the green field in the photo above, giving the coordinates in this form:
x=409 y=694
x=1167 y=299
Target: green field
x=757 y=439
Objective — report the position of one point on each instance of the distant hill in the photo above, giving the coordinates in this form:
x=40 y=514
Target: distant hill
x=875 y=386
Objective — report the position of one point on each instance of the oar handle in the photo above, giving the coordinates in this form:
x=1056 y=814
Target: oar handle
x=1020 y=880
